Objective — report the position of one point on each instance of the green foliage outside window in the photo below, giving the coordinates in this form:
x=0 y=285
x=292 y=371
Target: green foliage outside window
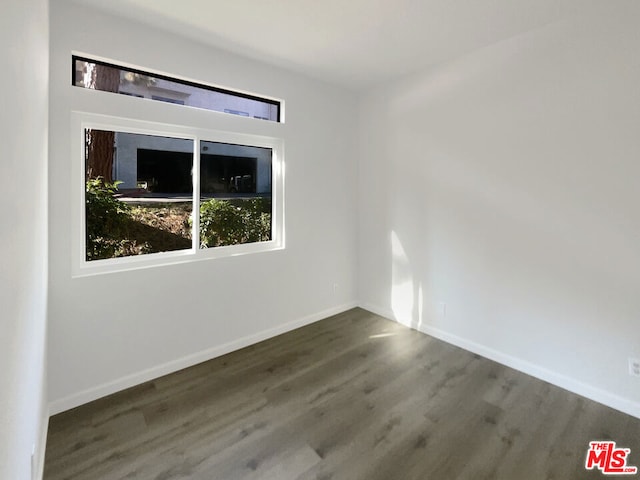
x=225 y=223
x=116 y=229
x=107 y=221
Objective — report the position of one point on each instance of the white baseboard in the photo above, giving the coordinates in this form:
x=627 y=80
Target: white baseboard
x=596 y=394
x=80 y=398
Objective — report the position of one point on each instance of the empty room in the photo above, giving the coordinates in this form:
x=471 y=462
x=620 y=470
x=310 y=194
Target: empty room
x=320 y=240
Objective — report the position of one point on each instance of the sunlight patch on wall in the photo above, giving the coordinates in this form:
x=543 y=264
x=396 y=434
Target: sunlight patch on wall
x=402 y=296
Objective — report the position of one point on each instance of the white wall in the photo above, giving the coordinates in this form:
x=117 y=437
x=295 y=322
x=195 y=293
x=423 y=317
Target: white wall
x=114 y=330
x=506 y=184
x=24 y=50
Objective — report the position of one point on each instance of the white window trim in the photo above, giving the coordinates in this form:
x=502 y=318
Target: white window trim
x=82 y=120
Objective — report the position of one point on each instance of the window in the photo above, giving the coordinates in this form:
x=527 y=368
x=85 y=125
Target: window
x=108 y=77
x=154 y=194
x=151 y=192
x=139 y=194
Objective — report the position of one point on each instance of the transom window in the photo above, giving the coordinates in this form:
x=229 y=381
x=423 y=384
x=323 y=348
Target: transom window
x=108 y=77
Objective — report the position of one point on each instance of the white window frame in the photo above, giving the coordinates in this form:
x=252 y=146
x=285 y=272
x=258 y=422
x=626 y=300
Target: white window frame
x=82 y=121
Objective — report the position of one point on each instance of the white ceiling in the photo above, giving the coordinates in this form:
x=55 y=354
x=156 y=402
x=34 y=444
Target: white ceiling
x=354 y=43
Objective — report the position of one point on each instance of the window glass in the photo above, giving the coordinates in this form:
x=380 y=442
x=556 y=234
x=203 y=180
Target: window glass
x=138 y=194
x=235 y=194
x=96 y=75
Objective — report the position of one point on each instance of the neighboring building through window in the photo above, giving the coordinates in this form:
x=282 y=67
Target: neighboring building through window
x=177 y=101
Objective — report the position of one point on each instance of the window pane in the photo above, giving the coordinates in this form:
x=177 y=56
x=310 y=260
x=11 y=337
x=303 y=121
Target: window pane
x=139 y=194
x=235 y=200
x=113 y=78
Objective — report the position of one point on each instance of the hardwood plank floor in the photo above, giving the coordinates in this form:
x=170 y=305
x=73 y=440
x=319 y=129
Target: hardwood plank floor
x=351 y=397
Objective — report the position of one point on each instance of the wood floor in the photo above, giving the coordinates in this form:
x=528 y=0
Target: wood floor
x=351 y=397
